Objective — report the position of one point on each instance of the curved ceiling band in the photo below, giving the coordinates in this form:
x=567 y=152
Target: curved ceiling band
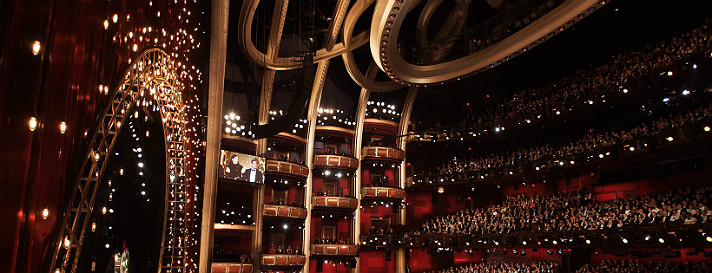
x=348 y=57
x=389 y=16
x=247 y=14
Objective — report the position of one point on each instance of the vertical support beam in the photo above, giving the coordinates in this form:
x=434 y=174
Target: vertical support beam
x=314 y=104
x=358 y=140
x=218 y=56
x=279 y=14
x=400 y=262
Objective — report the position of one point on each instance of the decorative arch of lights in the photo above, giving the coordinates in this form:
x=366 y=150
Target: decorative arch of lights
x=150 y=81
x=382 y=39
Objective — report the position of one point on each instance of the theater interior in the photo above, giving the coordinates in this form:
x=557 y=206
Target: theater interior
x=371 y=136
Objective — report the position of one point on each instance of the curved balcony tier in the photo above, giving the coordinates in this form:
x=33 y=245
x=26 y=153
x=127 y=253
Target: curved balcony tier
x=382 y=192
x=334 y=202
x=335 y=161
x=286 y=168
x=380 y=125
x=283 y=260
x=231 y=268
x=293 y=139
x=333 y=250
x=383 y=153
x=334 y=131
x=285 y=212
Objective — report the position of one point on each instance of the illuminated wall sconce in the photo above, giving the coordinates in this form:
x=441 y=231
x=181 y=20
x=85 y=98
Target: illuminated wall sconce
x=36 y=48
x=441 y=189
x=33 y=123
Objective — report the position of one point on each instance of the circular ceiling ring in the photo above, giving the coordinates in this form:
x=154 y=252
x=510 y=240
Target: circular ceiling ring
x=348 y=57
x=389 y=16
x=247 y=14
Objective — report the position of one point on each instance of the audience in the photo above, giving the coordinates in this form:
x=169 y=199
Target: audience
x=504 y=267
x=596 y=145
x=596 y=83
x=636 y=266
x=577 y=211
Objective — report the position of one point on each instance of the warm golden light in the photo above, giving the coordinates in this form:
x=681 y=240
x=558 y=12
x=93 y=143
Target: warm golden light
x=67 y=243
x=441 y=190
x=33 y=123
x=62 y=127
x=45 y=213
x=106 y=24
x=36 y=47
x=115 y=18
x=707 y=128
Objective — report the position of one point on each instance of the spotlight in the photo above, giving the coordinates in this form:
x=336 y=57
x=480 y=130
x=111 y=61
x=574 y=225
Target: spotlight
x=707 y=128
x=661 y=240
x=647 y=238
x=588 y=242
x=624 y=240
x=685 y=92
x=709 y=239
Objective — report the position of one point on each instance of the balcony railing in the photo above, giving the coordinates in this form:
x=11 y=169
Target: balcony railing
x=383 y=153
x=336 y=202
x=285 y=212
x=231 y=268
x=283 y=260
x=286 y=168
x=335 y=161
x=382 y=192
x=333 y=250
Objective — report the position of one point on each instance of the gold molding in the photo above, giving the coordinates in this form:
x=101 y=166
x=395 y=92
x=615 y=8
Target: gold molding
x=284 y=211
x=334 y=202
x=283 y=260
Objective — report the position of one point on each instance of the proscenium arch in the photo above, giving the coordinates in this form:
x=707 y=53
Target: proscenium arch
x=149 y=81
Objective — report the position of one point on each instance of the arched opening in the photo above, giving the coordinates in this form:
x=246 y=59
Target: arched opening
x=130 y=201
x=149 y=85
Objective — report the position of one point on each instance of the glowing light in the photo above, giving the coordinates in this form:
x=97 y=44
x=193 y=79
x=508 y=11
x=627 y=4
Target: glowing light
x=115 y=18
x=36 y=48
x=106 y=24
x=62 y=127
x=707 y=128
x=441 y=190
x=45 y=213
x=33 y=123
x=67 y=242
x=685 y=92
x=670 y=139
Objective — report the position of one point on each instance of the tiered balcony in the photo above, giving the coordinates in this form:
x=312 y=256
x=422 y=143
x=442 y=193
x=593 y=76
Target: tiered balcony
x=334 y=202
x=231 y=268
x=383 y=153
x=333 y=250
x=285 y=212
x=283 y=260
x=335 y=161
x=382 y=193
x=286 y=168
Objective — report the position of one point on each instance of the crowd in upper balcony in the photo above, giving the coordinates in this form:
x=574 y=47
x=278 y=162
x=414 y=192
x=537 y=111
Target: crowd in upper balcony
x=331 y=240
x=504 y=267
x=646 y=134
x=577 y=211
x=596 y=83
x=635 y=266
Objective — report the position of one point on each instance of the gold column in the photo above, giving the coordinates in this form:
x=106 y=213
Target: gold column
x=399 y=261
x=279 y=14
x=314 y=103
x=218 y=54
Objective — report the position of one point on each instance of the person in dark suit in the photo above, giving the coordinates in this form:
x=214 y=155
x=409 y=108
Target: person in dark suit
x=233 y=169
x=253 y=174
